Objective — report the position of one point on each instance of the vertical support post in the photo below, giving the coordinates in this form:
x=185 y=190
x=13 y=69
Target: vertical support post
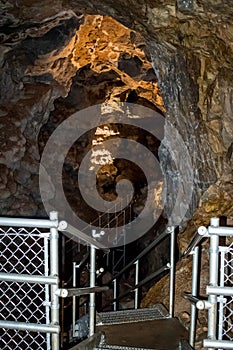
x=136 y=282
x=221 y=298
x=47 y=294
x=171 y=230
x=54 y=266
x=213 y=281
x=113 y=262
x=92 y=295
x=107 y=259
x=115 y=294
x=62 y=302
x=195 y=270
x=74 y=300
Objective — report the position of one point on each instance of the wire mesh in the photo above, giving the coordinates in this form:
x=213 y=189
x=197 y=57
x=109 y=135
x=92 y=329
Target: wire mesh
x=226 y=323
x=24 y=251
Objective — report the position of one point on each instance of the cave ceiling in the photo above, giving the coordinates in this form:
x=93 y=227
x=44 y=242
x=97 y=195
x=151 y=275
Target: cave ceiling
x=189 y=45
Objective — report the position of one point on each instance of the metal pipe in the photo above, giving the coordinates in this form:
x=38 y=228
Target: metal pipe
x=203 y=305
x=136 y=282
x=18 y=222
x=21 y=278
x=115 y=294
x=221 y=231
x=140 y=284
x=82 y=262
x=74 y=232
x=195 y=270
x=71 y=292
x=143 y=253
x=217 y=344
x=213 y=281
x=54 y=268
x=63 y=269
x=153 y=275
x=199 y=303
x=74 y=299
x=31 y=327
x=92 y=295
x=221 y=298
x=201 y=232
x=192 y=299
x=47 y=295
x=171 y=230
x=215 y=290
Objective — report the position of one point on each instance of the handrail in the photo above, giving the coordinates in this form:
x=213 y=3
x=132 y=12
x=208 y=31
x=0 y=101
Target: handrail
x=140 y=284
x=153 y=275
x=28 y=222
x=191 y=298
x=201 y=233
x=71 y=292
x=65 y=227
x=83 y=261
x=141 y=255
x=170 y=231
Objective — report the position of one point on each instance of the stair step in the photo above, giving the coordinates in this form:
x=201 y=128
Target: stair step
x=159 y=334
x=129 y=316
x=183 y=345
x=116 y=347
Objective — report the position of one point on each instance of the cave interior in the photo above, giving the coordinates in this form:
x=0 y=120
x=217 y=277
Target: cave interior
x=169 y=59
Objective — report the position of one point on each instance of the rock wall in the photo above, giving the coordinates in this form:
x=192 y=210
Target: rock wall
x=190 y=44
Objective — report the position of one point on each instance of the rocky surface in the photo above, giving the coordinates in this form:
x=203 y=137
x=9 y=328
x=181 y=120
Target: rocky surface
x=55 y=51
x=102 y=61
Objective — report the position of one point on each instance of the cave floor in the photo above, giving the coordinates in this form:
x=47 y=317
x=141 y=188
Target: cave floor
x=162 y=334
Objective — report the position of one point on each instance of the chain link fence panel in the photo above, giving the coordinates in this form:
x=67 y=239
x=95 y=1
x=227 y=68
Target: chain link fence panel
x=226 y=302
x=24 y=251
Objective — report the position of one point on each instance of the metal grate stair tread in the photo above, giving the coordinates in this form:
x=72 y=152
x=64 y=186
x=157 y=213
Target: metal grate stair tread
x=116 y=347
x=129 y=316
x=183 y=345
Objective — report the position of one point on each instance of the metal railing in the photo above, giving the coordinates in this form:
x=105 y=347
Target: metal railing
x=219 y=290
x=26 y=273
x=134 y=264
x=29 y=282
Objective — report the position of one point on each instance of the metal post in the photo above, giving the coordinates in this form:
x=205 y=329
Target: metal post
x=92 y=295
x=221 y=299
x=54 y=272
x=74 y=300
x=115 y=294
x=47 y=296
x=195 y=270
x=172 y=269
x=213 y=281
x=136 y=283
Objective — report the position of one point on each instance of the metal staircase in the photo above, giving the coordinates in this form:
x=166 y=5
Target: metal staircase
x=139 y=329
x=125 y=318
x=143 y=329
